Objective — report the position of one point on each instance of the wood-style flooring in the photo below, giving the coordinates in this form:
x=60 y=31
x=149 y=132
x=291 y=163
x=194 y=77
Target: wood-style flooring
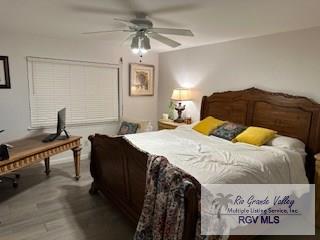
x=58 y=207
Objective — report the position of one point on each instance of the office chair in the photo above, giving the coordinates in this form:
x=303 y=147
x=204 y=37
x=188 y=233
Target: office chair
x=12 y=180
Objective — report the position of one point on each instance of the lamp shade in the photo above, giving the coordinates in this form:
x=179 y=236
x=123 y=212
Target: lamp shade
x=181 y=94
x=135 y=42
x=145 y=43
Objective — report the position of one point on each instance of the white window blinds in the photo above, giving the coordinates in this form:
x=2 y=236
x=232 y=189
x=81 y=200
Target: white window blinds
x=89 y=91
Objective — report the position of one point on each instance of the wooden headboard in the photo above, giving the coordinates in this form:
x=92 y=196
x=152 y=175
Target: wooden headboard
x=291 y=116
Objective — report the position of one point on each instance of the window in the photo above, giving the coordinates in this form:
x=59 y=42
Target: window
x=89 y=91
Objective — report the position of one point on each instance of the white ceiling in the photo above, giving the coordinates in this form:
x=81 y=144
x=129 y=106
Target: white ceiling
x=211 y=21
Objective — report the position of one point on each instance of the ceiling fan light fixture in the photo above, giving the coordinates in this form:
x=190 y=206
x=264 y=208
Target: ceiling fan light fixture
x=135 y=42
x=145 y=43
x=141 y=28
x=143 y=51
x=140 y=44
x=135 y=50
x=135 y=45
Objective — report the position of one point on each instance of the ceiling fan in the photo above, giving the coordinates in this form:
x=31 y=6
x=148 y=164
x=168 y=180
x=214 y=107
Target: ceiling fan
x=141 y=29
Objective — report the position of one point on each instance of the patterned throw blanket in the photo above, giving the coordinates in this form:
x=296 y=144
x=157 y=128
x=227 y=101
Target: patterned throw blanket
x=163 y=212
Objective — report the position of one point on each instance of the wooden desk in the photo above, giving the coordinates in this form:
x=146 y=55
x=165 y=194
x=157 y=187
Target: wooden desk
x=28 y=151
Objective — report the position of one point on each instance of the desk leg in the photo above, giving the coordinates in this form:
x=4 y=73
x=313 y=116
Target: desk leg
x=76 y=156
x=47 y=166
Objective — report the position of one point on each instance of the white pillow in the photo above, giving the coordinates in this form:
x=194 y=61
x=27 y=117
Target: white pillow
x=289 y=143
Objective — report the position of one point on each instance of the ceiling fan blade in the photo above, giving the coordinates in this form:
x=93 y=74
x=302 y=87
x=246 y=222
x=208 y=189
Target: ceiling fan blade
x=98 y=10
x=173 y=31
x=126 y=21
x=125 y=3
x=164 y=40
x=129 y=38
x=107 y=31
x=162 y=21
x=174 y=9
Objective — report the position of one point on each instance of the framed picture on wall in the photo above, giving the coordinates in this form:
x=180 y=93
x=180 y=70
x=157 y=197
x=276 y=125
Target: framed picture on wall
x=141 y=80
x=4 y=72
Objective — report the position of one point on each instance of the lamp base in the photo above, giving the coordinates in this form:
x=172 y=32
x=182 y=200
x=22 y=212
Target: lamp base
x=179 y=120
x=179 y=109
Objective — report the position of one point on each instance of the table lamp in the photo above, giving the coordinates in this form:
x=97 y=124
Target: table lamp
x=180 y=94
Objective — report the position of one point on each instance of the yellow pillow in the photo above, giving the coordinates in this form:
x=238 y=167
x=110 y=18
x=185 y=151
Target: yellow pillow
x=207 y=125
x=255 y=136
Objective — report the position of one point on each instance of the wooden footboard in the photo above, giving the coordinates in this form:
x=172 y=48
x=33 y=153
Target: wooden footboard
x=119 y=172
x=317 y=186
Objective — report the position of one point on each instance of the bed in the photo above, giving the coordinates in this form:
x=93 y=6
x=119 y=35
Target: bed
x=118 y=164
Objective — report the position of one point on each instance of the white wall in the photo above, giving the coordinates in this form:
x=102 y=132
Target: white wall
x=286 y=62
x=14 y=102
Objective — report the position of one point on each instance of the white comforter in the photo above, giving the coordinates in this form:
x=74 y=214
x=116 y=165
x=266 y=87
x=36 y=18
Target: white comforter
x=214 y=160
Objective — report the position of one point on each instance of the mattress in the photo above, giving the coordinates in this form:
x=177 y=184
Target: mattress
x=213 y=160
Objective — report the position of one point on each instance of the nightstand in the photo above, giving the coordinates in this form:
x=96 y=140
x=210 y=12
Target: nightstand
x=168 y=124
x=317 y=185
